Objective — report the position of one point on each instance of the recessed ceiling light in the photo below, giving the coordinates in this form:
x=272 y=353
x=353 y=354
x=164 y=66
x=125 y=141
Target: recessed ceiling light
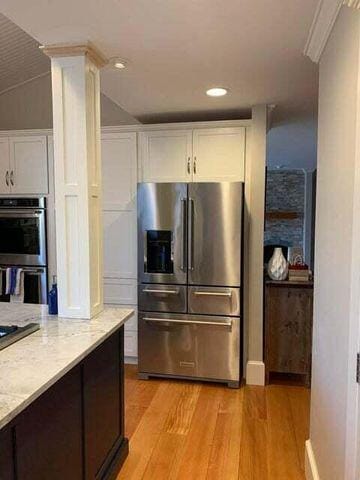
x=216 y=92
x=118 y=63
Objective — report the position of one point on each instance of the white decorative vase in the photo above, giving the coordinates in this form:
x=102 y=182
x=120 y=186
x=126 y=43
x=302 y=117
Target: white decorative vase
x=278 y=266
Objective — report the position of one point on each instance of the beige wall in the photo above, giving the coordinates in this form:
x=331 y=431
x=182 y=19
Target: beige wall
x=334 y=259
x=29 y=107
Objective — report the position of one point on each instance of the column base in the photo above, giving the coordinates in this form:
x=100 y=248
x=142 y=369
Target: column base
x=255 y=373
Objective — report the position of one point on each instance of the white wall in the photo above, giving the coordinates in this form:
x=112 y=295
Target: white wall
x=29 y=106
x=334 y=260
x=291 y=140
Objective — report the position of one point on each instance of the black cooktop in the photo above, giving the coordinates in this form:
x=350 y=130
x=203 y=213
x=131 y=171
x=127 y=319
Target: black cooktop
x=12 y=333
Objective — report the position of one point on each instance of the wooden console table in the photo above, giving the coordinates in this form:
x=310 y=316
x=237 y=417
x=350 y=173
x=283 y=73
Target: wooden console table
x=288 y=328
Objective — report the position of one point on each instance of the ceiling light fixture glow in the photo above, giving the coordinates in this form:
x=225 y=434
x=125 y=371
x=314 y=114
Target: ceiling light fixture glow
x=118 y=63
x=216 y=92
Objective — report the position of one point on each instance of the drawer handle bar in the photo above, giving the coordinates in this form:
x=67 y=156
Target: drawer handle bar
x=170 y=292
x=187 y=322
x=213 y=294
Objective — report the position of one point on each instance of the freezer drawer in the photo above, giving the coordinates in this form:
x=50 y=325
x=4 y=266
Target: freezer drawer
x=214 y=300
x=189 y=346
x=162 y=298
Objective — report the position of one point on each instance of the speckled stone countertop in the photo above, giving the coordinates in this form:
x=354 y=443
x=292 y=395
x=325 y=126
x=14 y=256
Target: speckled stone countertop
x=34 y=363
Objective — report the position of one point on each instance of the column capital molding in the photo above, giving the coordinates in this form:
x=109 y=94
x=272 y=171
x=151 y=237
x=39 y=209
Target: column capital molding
x=352 y=3
x=76 y=50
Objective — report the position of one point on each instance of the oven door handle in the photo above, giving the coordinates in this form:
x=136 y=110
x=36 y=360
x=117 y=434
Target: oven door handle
x=187 y=322
x=21 y=213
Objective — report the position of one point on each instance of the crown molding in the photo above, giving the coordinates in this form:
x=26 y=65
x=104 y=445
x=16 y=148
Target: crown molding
x=324 y=19
x=352 y=3
x=69 y=50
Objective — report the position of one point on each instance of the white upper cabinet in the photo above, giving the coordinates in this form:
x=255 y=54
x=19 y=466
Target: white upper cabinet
x=199 y=155
x=166 y=156
x=28 y=165
x=219 y=155
x=119 y=170
x=4 y=166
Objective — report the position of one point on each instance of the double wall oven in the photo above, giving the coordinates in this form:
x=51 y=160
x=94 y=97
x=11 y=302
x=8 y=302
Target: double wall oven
x=23 y=245
x=189 y=270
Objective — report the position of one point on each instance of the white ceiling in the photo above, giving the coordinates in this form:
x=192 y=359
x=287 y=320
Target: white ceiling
x=20 y=57
x=177 y=49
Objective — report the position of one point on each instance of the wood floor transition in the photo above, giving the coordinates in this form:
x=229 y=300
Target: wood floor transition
x=194 y=431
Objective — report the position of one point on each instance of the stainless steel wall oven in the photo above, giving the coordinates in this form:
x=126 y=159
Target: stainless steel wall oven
x=23 y=244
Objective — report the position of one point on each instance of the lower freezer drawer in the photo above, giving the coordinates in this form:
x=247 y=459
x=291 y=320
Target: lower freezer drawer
x=199 y=346
x=214 y=300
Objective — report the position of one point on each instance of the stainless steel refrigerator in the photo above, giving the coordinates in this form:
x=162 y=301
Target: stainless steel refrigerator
x=190 y=272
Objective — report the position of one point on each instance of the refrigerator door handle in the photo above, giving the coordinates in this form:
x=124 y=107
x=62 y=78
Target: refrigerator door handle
x=187 y=322
x=191 y=234
x=213 y=294
x=184 y=231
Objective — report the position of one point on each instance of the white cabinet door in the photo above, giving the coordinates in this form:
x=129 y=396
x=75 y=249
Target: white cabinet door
x=29 y=166
x=119 y=169
x=219 y=154
x=4 y=166
x=166 y=156
x=119 y=244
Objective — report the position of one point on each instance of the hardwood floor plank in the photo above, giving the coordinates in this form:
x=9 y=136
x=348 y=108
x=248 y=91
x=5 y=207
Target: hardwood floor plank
x=148 y=431
x=180 y=415
x=194 y=460
x=225 y=451
x=165 y=456
x=253 y=463
x=283 y=459
x=133 y=416
x=299 y=399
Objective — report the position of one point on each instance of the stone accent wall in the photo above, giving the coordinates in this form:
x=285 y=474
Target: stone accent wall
x=285 y=191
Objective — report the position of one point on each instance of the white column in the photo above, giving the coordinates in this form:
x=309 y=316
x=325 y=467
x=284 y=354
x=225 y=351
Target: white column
x=76 y=125
x=255 y=200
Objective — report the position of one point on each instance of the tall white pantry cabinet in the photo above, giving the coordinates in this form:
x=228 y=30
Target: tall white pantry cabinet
x=212 y=151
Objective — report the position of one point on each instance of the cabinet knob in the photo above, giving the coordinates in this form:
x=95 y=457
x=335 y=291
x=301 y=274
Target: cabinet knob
x=189 y=165
x=12 y=177
x=7 y=178
x=195 y=165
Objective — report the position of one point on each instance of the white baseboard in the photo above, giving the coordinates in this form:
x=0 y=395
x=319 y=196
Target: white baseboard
x=130 y=360
x=311 y=471
x=255 y=373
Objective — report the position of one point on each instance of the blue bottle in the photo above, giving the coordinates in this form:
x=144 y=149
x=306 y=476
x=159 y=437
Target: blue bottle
x=53 y=298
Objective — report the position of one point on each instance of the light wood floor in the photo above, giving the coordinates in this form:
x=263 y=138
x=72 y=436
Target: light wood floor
x=185 y=430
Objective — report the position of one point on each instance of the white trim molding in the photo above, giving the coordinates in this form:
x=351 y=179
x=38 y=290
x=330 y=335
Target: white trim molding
x=324 y=19
x=352 y=3
x=255 y=373
x=311 y=471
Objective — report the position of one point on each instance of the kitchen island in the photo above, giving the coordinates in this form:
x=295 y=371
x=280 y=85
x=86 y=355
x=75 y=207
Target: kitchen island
x=62 y=396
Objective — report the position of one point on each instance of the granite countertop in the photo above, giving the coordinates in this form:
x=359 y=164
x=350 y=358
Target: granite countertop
x=34 y=363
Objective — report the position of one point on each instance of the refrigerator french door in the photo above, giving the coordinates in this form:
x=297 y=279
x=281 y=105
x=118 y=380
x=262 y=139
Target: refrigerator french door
x=189 y=244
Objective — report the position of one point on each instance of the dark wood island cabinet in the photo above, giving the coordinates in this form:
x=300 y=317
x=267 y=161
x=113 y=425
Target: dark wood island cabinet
x=288 y=328
x=75 y=429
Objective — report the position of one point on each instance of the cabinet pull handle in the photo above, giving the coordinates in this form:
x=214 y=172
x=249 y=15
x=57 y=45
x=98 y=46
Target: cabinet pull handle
x=195 y=165
x=12 y=177
x=189 y=165
x=7 y=177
